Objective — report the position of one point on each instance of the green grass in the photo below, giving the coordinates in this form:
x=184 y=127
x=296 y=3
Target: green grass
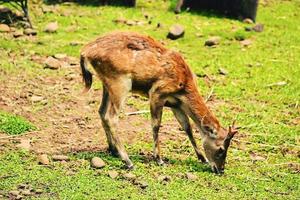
x=266 y=114
x=14 y=125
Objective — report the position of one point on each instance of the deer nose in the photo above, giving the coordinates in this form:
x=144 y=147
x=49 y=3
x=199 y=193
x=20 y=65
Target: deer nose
x=221 y=171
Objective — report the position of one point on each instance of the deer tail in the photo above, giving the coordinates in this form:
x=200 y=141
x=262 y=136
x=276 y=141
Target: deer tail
x=86 y=74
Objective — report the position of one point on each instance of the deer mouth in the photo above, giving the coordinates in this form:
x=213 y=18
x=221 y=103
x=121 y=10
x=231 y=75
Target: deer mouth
x=216 y=170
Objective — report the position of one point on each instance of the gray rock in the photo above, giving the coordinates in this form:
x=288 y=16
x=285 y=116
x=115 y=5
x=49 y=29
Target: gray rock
x=4 y=28
x=18 y=33
x=30 y=31
x=129 y=176
x=52 y=63
x=223 y=71
x=175 y=32
x=24 y=144
x=14 y=192
x=51 y=27
x=36 y=99
x=258 y=28
x=212 y=41
x=26 y=192
x=164 y=178
x=38 y=191
x=142 y=184
x=113 y=174
x=43 y=159
x=190 y=176
x=246 y=42
x=60 y=56
x=97 y=162
x=60 y=158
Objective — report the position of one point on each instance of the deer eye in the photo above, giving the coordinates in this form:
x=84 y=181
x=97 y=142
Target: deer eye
x=208 y=129
x=220 y=154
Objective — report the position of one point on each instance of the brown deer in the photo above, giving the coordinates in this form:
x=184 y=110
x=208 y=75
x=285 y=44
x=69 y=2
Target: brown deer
x=132 y=62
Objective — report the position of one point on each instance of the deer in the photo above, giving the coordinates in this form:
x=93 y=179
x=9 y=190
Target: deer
x=128 y=62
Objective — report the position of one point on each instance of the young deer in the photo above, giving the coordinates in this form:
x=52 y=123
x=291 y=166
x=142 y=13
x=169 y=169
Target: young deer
x=131 y=62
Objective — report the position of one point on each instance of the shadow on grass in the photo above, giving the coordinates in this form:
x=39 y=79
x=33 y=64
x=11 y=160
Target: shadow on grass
x=147 y=159
x=90 y=2
x=231 y=9
x=120 y=3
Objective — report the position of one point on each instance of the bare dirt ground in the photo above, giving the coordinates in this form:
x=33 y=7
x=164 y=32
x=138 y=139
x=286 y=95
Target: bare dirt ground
x=67 y=120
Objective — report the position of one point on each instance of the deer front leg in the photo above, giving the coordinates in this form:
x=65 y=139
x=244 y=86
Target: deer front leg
x=183 y=120
x=156 y=108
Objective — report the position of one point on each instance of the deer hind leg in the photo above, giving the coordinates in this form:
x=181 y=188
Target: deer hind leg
x=114 y=95
x=156 y=108
x=183 y=120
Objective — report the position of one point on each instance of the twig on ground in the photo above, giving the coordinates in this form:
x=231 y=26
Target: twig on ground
x=137 y=112
x=209 y=95
x=288 y=163
x=8 y=176
x=264 y=145
x=13 y=136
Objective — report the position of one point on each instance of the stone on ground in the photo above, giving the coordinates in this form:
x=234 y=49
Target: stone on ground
x=258 y=28
x=4 y=28
x=176 y=31
x=30 y=31
x=212 y=41
x=190 y=176
x=51 y=27
x=52 y=63
x=97 y=162
x=24 y=144
x=60 y=158
x=113 y=174
x=43 y=159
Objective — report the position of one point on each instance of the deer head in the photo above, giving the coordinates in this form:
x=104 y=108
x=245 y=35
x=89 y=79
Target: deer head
x=216 y=143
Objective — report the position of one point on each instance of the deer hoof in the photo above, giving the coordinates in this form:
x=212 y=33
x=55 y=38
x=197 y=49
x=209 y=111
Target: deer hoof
x=130 y=167
x=160 y=162
x=205 y=162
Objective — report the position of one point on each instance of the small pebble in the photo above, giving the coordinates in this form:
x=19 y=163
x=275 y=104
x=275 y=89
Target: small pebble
x=164 y=178
x=175 y=32
x=43 y=159
x=26 y=192
x=190 y=176
x=51 y=27
x=142 y=184
x=113 y=174
x=38 y=191
x=212 y=41
x=14 y=192
x=97 y=162
x=129 y=176
x=223 y=71
x=258 y=28
x=60 y=158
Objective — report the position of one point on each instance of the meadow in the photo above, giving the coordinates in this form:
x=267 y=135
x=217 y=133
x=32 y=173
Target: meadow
x=256 y=83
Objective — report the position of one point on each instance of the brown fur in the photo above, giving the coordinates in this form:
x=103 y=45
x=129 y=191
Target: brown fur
x=126 y=62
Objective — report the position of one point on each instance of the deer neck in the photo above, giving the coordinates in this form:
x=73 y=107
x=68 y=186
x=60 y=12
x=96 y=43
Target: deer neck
x=199 y=112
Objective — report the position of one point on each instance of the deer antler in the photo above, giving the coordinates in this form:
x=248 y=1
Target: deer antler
x=232 y=130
